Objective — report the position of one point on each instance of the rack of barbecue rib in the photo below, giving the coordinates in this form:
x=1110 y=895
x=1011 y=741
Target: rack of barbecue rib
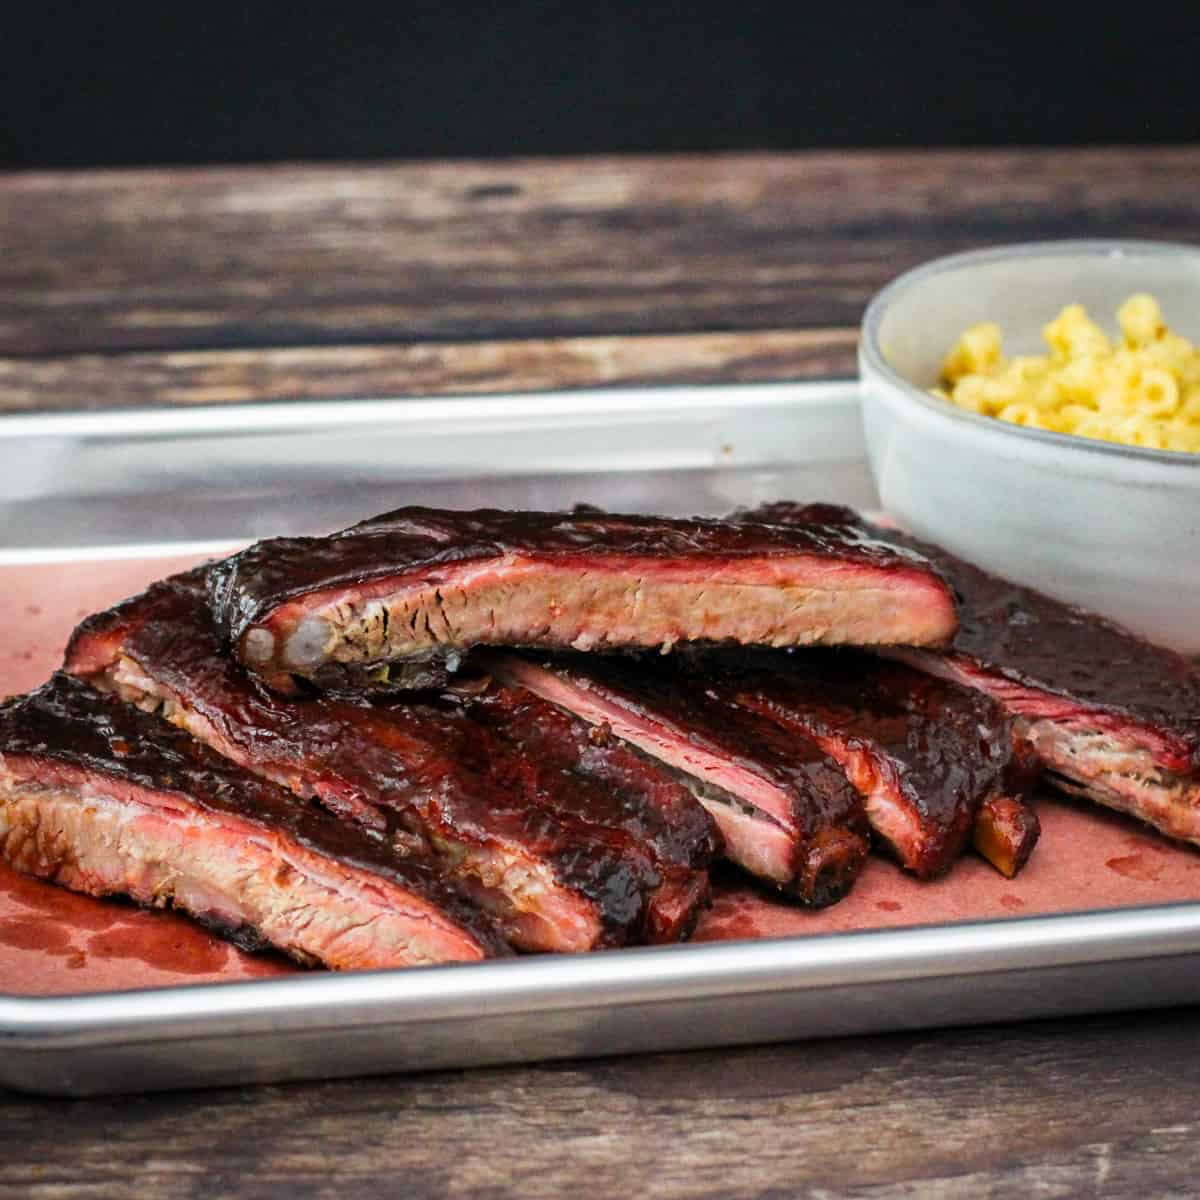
x=442 y=736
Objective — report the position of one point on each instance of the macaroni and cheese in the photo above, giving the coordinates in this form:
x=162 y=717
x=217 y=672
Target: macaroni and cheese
x=1141 y=390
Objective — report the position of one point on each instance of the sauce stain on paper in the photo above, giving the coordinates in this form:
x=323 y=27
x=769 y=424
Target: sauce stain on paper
x=55 y=904
x=1134 y=866
x=165 y=946
x=34 y=933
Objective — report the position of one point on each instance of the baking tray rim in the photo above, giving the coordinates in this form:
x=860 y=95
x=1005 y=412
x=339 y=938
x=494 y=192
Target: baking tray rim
x=612 y=978
x=365 y=412
x=585 y=408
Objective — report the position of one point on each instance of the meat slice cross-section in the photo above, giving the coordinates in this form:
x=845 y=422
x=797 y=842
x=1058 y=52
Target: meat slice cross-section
x=933 y=760
x=1113 y=717
x=786 y=811
x=399 y=598
x=106 y=800
x=429 y=776
x=601 y=781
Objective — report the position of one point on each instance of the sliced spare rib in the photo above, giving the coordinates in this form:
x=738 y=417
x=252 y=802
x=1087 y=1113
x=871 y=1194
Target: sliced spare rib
x=786 y=811
x=106 y=800
x=601 y=781
x=438 y=783
x=400 y=597
x=932 y=760
x=1113 y=717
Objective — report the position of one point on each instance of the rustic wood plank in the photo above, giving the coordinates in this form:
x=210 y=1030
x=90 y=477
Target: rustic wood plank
x=1102 y=1108
x=429 y=368
x=292 y=256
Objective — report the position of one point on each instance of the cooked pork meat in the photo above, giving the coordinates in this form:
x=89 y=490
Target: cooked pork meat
x=546 y=856
x=1005 y=832
x=600 y=780
x=786 y=811
x=106 y=800
x=932 y=760
x=399 y=598
x=1113 y=717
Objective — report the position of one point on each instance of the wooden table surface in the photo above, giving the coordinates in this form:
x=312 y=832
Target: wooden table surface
x=229 y=285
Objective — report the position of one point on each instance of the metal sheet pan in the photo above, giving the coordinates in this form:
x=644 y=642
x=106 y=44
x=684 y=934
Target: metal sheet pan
x=91 y=486
x=94 y=483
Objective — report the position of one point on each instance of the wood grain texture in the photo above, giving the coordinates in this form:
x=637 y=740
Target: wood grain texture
x=1105 y=1107
x=302 y=256
x=91 y=381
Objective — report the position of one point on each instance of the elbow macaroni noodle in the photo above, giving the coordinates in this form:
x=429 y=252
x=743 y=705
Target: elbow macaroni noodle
x=1142 y=390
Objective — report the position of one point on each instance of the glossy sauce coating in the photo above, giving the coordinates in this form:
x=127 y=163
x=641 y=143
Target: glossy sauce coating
x=598 y=778
x=940 y=748
x=414 y=770
x=574 y=769
x=415 y=541
x=687 y=713
x=68 y=723
x=1043 y=644
x=947 y=745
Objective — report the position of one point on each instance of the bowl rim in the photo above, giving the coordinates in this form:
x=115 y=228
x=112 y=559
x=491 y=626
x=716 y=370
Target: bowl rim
x=871 y=351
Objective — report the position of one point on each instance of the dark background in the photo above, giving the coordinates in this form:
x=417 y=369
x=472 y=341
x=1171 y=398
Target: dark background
x=103 y=84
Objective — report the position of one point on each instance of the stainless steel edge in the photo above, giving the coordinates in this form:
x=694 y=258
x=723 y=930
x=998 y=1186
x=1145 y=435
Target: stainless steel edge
x=608 y=1003
x=420 y=412
x=96 y=481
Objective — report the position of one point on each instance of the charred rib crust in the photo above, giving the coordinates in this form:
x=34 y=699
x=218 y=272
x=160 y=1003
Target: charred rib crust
x=600 y=781
x=1069 y=672
x=1005 y=832
x=930 y=750
x=410 y=583
x=814 y=810
x=1026 y=638
x=67 y=736
x=429 y=776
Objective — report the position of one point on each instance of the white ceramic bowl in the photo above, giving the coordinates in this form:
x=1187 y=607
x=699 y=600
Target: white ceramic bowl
x=1113 y=528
